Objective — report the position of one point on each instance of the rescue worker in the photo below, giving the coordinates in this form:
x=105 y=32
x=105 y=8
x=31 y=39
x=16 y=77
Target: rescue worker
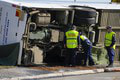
x=71 y=43
x=87 y=47
x=109 y=43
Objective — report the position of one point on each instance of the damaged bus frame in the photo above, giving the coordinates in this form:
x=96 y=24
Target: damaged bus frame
x=44 y=32
x=34 y=34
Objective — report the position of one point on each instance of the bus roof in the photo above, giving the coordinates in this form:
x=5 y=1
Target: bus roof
x=63 y=4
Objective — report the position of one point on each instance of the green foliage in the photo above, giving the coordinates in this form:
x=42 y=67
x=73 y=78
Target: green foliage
x=99 y=55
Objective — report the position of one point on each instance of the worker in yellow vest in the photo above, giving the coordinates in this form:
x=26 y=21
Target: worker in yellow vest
x=87 y=47
x=109 y=43
x=71 y=43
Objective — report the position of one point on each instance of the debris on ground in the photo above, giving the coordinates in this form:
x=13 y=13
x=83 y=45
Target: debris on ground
x=114 y=69
x=56 y=68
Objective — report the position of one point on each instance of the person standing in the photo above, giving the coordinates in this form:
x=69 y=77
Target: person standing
x=87 y=47
x=71 y=43
x=109 y=43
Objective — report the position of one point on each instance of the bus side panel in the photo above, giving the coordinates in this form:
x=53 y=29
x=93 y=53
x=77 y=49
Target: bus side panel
x=2 y=19
x=9 y=24
x=11 y=32
x=21 y=28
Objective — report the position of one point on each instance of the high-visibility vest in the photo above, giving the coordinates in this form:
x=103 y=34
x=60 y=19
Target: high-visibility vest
x=71 y=37
x=85 y=41
x=108 y=39
x=83 y=37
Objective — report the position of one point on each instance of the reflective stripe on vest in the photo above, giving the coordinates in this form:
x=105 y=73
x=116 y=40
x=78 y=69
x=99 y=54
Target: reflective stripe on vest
x=71 y=37
x=108 y=39
x=83 y=37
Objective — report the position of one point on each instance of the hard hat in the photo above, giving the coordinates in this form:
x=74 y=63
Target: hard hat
x=73 y=27
x=109 y=27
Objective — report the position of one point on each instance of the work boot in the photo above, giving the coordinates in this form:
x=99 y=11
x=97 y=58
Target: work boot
x=91 y=64
x=84 y=65
x=72 y=65
x=110 y=65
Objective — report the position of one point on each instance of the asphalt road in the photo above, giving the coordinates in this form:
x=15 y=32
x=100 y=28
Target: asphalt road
x=98 y=76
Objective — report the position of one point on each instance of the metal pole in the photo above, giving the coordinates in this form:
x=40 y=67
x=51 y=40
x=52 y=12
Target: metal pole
x=72 y=17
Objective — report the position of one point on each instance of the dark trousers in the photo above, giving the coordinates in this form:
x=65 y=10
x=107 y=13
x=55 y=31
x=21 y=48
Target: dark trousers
x=111 y=53
x=88 y=55
x=70 y=58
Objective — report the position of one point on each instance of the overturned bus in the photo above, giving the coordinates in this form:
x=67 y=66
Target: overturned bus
x=34 y=33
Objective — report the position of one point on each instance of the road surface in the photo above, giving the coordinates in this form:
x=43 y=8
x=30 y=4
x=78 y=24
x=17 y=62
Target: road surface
x=98 y=76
